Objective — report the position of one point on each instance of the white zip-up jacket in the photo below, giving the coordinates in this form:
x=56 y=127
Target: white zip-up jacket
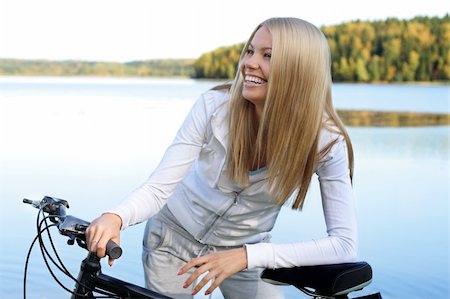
x=192 y=180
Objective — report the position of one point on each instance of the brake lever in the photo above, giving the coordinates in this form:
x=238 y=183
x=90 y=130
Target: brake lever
x=70 y=226
x=73 y=227
x=54 y=207
x=81 y=243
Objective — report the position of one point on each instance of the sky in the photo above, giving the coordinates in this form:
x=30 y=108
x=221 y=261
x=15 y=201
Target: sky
x=129 y=30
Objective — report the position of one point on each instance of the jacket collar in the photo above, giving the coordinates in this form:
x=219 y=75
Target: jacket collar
x=219 y=124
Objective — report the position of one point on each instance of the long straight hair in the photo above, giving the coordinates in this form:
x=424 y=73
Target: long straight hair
x=298 y=105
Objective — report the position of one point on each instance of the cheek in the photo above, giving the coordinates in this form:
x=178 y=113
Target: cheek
x=266 y=70
x=242 y=68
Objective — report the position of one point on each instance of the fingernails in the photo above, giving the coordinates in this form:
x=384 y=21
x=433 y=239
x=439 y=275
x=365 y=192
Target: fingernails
x=207 y=293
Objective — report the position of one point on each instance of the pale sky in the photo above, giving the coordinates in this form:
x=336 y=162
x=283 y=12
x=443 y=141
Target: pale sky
x=119 y=30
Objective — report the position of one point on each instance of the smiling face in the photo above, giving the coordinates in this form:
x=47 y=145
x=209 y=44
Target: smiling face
x=255 y=67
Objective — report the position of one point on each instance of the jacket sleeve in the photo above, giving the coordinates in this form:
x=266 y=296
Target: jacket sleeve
x=340 y=245
x=150 y=197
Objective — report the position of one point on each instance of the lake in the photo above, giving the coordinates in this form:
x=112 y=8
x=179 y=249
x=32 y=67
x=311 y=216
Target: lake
x=93 y=140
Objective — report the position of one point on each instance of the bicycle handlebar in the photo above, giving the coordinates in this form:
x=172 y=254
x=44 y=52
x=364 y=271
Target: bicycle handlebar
x=68 y=225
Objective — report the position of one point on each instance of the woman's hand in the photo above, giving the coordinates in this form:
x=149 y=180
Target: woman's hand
x=218 y=265
x=100 y=231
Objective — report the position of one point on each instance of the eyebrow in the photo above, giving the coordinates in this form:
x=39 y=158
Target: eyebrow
x=264 y=48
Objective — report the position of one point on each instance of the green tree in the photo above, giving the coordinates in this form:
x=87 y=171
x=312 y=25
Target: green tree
x=361 y=71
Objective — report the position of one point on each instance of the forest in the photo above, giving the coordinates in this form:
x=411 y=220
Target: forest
x=391 y=50
x=148 y=68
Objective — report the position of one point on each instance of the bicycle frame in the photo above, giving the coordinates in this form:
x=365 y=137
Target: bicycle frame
x=90 y=279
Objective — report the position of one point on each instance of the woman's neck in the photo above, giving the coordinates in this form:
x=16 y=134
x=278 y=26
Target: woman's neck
x=260 y=158
x=259 y=111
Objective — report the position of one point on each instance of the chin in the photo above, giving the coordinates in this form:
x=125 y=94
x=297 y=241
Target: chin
x=255 y=100
x=253 y=96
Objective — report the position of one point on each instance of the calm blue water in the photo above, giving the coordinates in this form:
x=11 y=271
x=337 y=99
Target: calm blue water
x=423 y=98
x=92 y=141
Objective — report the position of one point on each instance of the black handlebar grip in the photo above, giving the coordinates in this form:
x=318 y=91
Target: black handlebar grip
x=26 y=200
x=113 y=250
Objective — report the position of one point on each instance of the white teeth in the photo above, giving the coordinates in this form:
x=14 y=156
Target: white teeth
x=254 y=79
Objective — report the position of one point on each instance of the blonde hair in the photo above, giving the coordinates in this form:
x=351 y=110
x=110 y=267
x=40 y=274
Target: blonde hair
x=298 y=105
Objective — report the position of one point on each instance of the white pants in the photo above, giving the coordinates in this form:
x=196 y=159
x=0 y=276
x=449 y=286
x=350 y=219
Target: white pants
x=167 y=247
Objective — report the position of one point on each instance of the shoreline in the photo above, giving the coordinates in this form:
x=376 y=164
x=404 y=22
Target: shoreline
x=413 y=83
x=373 y=118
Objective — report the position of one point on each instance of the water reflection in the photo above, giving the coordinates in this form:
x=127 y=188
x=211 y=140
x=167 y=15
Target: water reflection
x=93 y=150
x=403 y=143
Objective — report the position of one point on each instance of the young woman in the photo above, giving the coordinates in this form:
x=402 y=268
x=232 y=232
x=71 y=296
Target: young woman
x=244 y=151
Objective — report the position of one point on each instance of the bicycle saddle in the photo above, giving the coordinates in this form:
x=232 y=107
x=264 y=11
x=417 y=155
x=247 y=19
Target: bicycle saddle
x=326 y=280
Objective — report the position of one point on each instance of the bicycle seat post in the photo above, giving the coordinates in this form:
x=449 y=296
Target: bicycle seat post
x=90 y=268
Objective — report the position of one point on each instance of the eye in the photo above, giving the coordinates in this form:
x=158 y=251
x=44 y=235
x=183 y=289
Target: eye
x=268 y=55
x=250 y=51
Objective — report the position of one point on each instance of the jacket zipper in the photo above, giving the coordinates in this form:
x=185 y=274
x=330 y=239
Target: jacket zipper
x=209 y=228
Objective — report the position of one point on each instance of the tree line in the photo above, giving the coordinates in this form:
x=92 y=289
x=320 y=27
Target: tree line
x=147 y=68
x=390 y=50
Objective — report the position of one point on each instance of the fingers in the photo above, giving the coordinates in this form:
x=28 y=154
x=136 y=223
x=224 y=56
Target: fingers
x=206 y=265
x=214 y=285
x=217 y=266
x=110 y=262
x=94 y=240
x=100 y=231
x=100 y=245
x=192 y=263
x=209 y=277
x=199 y=271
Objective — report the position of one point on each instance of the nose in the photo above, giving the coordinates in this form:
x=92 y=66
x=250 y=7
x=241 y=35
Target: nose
x=251 y=62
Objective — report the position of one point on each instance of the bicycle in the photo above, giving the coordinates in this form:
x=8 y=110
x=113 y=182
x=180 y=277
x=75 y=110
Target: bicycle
x=327 y=282
x=334 y=281
x=90 y=280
